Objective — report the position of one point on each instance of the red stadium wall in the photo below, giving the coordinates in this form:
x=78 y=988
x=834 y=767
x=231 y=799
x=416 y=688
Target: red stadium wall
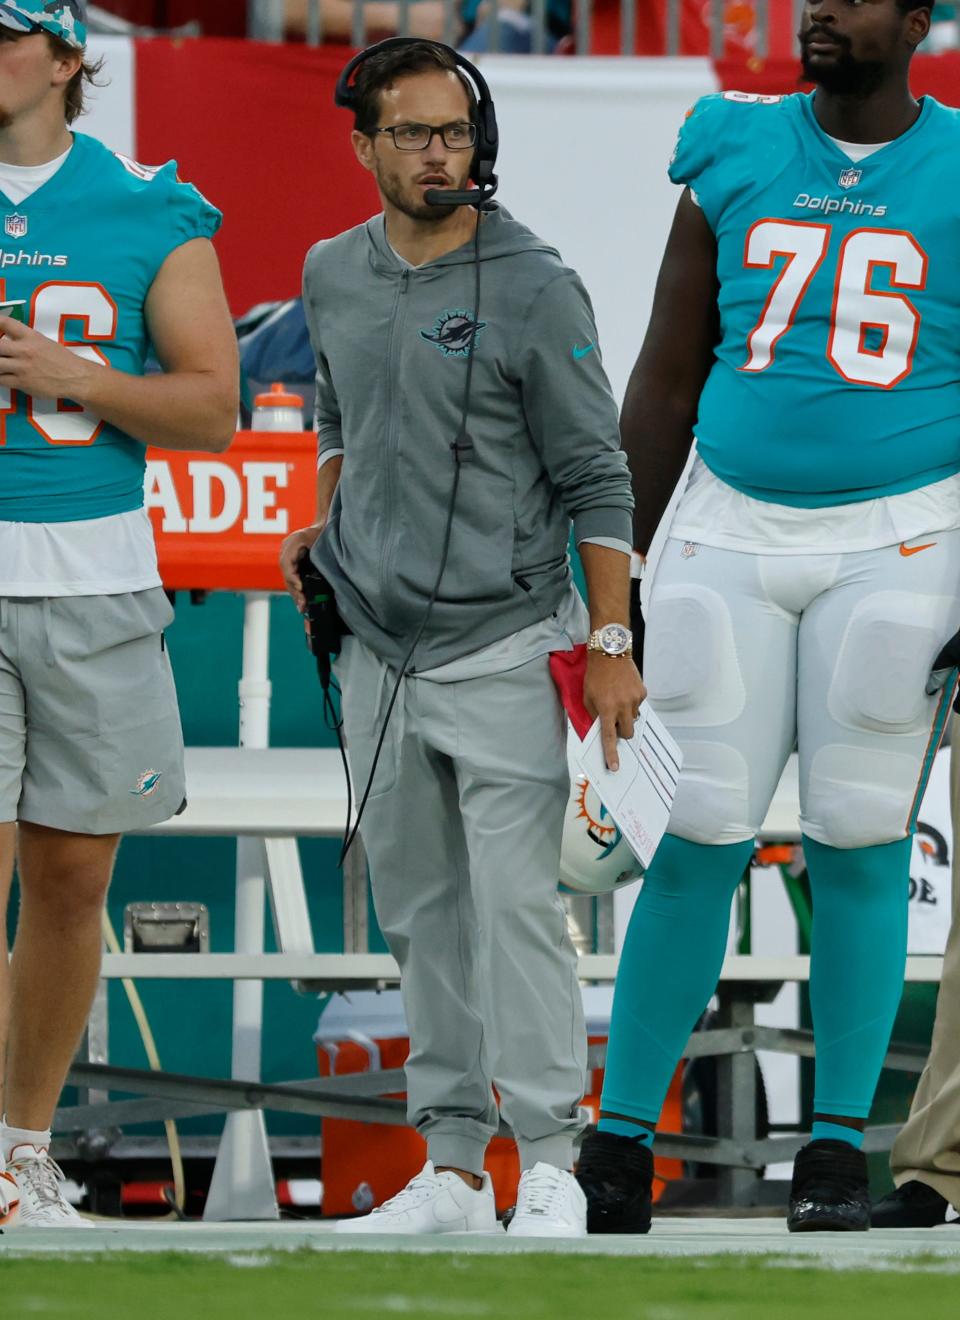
x=255 y=127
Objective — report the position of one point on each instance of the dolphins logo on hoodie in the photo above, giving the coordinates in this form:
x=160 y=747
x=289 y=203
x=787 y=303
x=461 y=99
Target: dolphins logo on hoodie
x=454 y=332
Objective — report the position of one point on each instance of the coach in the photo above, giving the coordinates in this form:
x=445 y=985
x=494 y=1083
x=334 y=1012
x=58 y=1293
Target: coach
x=464 y=420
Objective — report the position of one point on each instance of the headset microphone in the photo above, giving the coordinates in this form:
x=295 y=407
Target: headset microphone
x=478 y=197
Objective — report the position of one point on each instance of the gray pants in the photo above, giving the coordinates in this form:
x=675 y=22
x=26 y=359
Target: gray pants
x=463 y=831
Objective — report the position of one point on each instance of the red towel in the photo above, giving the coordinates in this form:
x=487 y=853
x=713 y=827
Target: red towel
x=568 y=669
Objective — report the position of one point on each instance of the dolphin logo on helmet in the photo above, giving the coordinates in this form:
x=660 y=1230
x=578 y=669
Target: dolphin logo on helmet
x=594 y=857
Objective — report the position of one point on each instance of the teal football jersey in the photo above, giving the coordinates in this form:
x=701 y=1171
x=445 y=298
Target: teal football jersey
x=81 y=253
x=837 y=375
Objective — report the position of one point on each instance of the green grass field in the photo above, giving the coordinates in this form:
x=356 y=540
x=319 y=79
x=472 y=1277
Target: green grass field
x=376 y=1287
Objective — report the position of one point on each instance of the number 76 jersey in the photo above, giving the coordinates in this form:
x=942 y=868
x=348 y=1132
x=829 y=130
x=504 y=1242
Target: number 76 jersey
x=837 y=374
x=80 y=254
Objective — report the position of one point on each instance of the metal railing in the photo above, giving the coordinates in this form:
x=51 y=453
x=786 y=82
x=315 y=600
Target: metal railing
x=726 y=20
x=741 y=26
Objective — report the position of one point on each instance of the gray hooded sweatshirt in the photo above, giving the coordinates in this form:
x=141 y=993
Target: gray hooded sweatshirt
x=391 y=344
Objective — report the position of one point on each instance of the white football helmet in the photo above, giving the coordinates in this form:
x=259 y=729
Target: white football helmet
x=594 y=859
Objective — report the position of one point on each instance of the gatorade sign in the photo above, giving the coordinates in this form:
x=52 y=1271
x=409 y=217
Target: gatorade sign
x=219 y=519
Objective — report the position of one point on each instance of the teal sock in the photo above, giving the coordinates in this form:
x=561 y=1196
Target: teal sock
x=859 y=950
x=619 y=1127
x=669 y=968
x=836 y=1132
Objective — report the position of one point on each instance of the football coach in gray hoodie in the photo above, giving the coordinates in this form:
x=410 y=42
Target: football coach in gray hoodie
x=465 y=815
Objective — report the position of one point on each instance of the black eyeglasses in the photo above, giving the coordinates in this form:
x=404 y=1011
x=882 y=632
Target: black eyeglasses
x=458 y=136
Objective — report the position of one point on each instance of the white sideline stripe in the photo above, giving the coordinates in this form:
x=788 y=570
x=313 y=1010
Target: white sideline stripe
x=670 y=1237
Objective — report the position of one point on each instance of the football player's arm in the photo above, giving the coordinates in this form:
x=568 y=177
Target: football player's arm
x=192 y=404
x=660 y=404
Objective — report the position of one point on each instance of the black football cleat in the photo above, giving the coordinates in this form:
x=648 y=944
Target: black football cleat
x=913 y=1205
x=616 y=1174
x=830 y=1190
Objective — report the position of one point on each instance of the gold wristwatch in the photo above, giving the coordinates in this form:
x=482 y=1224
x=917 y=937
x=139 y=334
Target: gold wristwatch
x=613 y=640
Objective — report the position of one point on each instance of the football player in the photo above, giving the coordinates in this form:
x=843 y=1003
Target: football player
x=99 y=257
x=805 y=331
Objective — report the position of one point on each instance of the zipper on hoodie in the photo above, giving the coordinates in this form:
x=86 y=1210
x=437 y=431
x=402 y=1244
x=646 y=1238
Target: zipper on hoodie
x=392 y=341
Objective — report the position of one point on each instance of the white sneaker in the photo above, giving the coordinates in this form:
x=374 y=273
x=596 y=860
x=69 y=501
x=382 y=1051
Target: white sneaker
x=550 y=1203
x=42 y=1203
x=431 y=1203
x=9 y=1198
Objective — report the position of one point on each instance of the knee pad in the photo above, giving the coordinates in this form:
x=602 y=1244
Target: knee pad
x=713 y=800
x=884 y=661
x=857 y=798
x=691 y=666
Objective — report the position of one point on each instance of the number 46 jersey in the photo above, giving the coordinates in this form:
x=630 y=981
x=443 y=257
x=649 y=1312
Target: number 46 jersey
x=81 y=254
x=837 y=375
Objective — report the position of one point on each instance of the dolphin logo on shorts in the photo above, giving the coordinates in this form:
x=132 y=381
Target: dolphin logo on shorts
x=147 y=783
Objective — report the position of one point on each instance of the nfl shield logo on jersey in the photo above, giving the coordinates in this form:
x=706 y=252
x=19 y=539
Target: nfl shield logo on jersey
x=15 y=226
x=850 y=178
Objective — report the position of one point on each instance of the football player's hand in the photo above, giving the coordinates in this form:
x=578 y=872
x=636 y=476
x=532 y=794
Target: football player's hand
x=612 y=691
x=945 y=665
x=39 y=366
x=296 y=545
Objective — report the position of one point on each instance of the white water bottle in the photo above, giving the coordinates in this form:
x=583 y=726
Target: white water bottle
x=278 y=410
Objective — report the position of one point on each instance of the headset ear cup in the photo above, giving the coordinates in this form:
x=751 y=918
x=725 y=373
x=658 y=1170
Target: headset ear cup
x=488 y=142
x=490 y=131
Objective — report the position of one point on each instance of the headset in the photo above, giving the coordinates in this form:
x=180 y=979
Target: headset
x=482 y=172
x=488 y=137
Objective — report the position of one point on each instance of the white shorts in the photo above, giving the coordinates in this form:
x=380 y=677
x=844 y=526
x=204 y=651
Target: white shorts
x=747 y=656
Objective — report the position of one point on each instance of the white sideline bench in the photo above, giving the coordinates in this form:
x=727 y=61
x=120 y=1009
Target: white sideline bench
x=282 y=794
x=276 y=792
x=357 y=970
